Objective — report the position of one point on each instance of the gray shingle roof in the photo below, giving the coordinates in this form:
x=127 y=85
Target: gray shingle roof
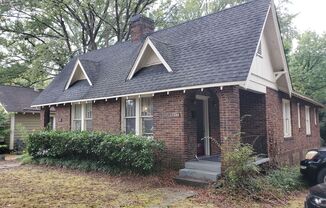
x=17 y=99
x=213 y=49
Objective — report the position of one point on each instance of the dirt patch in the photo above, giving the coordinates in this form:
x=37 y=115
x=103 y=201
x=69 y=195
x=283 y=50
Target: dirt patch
x=39 y=186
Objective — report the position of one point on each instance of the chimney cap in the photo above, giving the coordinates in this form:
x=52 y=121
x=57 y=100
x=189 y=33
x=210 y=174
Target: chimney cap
x=140 y=17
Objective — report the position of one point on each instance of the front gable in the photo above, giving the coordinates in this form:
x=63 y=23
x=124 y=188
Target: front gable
x=269 y=67
x=78 y=74
x=148 y=56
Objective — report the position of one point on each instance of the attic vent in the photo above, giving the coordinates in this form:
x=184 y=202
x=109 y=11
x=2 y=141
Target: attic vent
x=78 y=74
x=259 y=51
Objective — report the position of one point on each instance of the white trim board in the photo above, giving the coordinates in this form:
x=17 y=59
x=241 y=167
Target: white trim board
x=147 y=43
x=224 y=84
x=3 y=108
x=12 y=132
x=78 y=64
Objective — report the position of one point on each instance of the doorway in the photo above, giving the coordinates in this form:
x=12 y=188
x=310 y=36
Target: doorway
x=202 y=120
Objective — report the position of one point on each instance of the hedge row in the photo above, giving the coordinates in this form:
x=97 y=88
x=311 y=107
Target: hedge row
x=124 y=152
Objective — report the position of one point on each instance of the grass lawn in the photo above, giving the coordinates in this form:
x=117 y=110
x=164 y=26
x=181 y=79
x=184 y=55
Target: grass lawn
x=39 y=186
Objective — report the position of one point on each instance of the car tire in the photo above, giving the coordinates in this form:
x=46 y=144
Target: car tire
x=321 y=177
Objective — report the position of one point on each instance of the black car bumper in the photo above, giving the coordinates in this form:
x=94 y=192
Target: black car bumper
x=309 y=169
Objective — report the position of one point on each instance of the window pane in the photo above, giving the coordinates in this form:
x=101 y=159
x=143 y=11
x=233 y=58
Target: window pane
x=130 y=125
x=77 y=111
x=88 y=125
x=88 y=110
x=130 y=108
x=77 y=125
x=147 y=124
x=147 y=106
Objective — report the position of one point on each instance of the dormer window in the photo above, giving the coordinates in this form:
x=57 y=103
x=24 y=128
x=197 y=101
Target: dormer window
x=148 y=56
x=78 y=74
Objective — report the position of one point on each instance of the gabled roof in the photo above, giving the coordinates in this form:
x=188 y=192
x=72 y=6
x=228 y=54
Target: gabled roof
x=149 y=53
x=80 y=72
x=209 y=51
x=17 y=99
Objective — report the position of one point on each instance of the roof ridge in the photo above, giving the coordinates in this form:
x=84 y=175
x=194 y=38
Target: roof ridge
x=16 y=86
x=213 y=13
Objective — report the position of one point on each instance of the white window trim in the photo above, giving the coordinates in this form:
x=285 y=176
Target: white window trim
x=308 y=120
x=54 y=125
x=12 y=132
x=147 y=43
x=315 y=114
x=83 y=117
x=138 y=117
x=78 y=63
x=299 y=115
x=284 y=103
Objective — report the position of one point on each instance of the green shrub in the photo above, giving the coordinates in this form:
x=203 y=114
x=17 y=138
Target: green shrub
x=4 y=149
x=240 y=166
x=4 y=125
x=124 y=152
x=286 y=179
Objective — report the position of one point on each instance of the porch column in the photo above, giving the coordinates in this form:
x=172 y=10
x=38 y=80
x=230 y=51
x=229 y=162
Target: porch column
x=229 y=111
x=45 y=116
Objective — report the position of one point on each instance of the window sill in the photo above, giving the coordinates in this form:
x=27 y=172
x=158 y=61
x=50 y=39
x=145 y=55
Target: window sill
x=288 y=138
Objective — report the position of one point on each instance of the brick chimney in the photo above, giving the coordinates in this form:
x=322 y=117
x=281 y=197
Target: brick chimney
x=140 y=27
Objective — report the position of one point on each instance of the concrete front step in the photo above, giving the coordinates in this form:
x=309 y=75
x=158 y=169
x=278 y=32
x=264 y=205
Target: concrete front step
x=204 y=165
x=199 y=174
x=191 y=181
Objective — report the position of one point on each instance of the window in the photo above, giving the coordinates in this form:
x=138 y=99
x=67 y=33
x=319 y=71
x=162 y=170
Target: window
x=287 y=118
x=130 y=116
x=138 y=116
x=88 y=117
x=308 y=127
x=82 y=119
x=52 y=123
x=315 y=116
x=76 y=118
x=147 y=116
x=299 y=116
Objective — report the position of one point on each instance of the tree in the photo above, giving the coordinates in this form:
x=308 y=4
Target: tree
x=4 y=125
x=285 y=19
x=169 y=13
x=308 y=64
x=39 y=37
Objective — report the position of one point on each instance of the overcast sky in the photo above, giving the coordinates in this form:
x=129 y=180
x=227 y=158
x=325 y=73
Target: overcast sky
x=311 y=15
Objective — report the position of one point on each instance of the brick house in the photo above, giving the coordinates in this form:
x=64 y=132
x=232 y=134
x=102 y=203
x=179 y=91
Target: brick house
x=215 y=76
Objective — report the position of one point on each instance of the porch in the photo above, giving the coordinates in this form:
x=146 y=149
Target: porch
x=216 y=120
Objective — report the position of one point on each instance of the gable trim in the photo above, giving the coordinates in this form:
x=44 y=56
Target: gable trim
x=279 y=40
x=78 y=63
x=147 y=43
x=257 y=47
x=3 y=107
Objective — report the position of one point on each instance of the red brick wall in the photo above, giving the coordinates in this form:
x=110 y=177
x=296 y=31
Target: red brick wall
x=253 y=120
x=169 y=122
x=107 y=116
x=62 y=117
x=288 y=150
x=229 y=108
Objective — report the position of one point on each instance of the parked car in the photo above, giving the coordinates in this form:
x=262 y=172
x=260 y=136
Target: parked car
x=314 y=165
x=316 y=197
